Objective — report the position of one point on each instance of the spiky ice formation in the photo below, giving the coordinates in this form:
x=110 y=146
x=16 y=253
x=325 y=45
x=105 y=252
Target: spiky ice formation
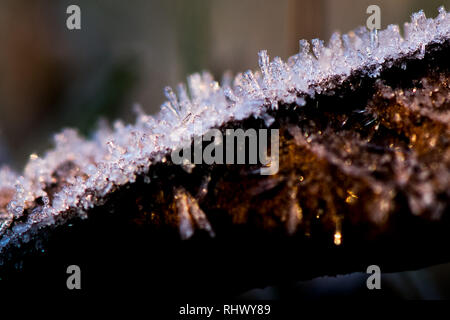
x=77 y=174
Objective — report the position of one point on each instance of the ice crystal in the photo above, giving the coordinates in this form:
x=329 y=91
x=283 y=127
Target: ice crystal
x=86 y=170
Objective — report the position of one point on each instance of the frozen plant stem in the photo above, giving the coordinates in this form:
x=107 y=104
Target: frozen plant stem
x=364 y=158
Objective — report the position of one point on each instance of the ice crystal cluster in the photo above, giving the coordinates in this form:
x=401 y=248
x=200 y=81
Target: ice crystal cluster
x=85 y=171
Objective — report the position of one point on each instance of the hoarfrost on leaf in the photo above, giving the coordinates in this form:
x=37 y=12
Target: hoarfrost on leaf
x=86 y=170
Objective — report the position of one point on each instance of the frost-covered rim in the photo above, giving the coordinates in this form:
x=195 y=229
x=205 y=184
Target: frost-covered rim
x=114 y=156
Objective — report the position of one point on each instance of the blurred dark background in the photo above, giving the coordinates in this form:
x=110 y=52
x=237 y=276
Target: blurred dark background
x=127 y=51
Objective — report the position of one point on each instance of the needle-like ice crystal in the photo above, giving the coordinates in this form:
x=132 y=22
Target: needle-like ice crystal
x=84 y=171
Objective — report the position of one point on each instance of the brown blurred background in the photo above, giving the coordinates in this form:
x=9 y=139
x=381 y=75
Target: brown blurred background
x=127 y=51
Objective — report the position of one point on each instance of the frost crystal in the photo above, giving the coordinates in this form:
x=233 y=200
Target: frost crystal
x=86 y=170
